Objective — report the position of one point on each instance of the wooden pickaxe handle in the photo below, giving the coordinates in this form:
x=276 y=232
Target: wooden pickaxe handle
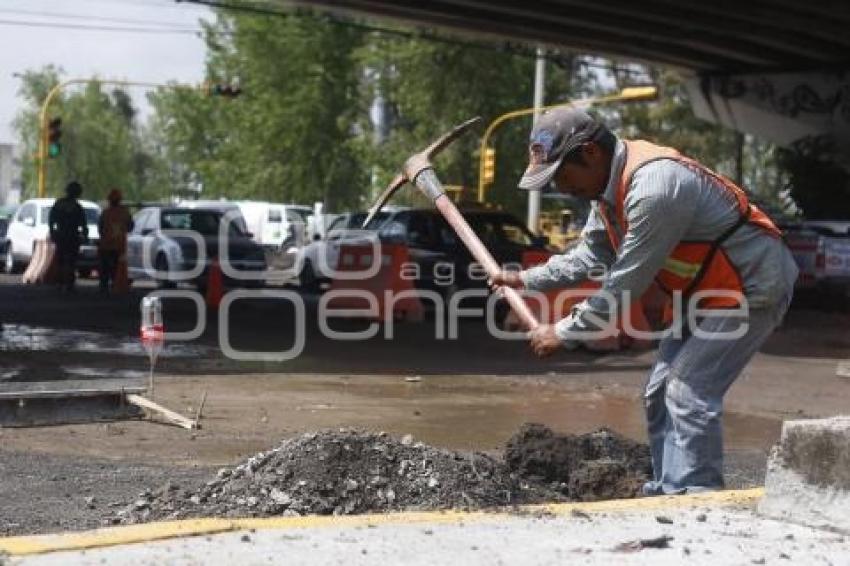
x=418 y=170
x=428 y=183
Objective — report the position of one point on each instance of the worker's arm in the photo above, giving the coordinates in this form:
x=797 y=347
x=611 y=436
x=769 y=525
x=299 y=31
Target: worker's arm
x=659 y=210
x=571 y=268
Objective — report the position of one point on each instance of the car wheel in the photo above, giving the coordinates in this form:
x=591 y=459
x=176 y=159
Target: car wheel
x=161 y=266
x=9 y=264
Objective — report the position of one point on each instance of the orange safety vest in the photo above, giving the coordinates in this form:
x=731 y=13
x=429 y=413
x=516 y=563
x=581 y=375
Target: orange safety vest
x=693 y=265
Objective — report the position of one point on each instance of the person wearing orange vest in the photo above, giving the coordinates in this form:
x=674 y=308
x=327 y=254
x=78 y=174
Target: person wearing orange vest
x=660 y=219
x=114 y=224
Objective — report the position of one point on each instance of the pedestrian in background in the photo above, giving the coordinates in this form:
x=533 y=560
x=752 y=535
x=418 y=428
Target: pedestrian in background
x=114 y=224
x=68 y=230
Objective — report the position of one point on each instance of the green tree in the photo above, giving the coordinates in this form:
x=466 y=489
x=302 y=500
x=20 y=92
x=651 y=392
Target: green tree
x=100 y=144
x=433 y=86
x=290 y=135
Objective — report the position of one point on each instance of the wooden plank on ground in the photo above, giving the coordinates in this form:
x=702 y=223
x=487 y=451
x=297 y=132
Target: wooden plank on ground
x=70 y=388
x=170 y=416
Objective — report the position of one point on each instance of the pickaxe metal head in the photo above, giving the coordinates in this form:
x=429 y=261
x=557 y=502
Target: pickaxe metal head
x=418 y=163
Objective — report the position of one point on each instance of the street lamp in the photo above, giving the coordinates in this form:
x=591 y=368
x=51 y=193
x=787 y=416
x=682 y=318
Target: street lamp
x=628 y=94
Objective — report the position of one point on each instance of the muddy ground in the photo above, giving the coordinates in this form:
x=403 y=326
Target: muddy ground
x=470 y=395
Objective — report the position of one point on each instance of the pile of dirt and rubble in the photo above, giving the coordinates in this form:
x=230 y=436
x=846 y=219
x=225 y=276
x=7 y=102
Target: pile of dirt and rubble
x=351 y=471
x=586 y=467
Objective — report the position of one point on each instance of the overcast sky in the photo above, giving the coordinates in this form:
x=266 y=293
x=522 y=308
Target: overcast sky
x=165 y=52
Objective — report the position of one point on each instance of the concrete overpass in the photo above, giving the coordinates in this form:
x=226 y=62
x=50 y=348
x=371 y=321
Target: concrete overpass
x=779 y=69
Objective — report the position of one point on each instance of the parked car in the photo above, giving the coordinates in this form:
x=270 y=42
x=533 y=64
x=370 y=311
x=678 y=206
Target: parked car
x=822 y=252
x=29 y=224
x=317 y=260
x=274 y=224
x=151 y=245
x=223 y=206
x=442 y=259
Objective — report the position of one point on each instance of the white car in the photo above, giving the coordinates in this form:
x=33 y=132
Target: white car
x=29 y=224
x=272 y=224
x=318 y=260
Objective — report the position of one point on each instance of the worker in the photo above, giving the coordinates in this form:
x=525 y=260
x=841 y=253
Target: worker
x=659 y=217
x=68 y=230
x=114 y=224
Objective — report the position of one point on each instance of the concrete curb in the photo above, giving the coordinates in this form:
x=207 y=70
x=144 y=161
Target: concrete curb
x=112 y=536
x=808 y=474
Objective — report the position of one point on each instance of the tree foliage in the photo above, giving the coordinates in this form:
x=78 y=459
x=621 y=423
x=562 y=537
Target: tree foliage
x=101 y=147
x=304 y=127
x=290 y=135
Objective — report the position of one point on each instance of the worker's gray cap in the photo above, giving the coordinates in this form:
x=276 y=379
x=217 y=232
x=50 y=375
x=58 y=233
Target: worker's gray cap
x=557 y=132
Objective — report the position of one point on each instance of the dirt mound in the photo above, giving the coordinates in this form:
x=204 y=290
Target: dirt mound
x=587 y=467
x=349 y=471
x=343 y=472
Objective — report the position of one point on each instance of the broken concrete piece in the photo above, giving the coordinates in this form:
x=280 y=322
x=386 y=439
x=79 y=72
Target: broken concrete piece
x=808 y=474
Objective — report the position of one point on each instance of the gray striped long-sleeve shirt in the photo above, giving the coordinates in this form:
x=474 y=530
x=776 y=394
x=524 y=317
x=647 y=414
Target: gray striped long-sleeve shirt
x=666 y=203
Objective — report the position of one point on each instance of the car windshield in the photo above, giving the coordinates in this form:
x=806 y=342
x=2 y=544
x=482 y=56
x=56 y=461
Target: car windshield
x=205 y=222
x=303 y=213
x=356 y=221
x=92 y=214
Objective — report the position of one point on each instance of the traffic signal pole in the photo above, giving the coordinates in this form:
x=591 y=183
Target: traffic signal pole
x=628 y=94
x=539 y=87
x=44 y=122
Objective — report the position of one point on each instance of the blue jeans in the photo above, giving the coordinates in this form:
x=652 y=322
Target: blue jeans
x=684 y=399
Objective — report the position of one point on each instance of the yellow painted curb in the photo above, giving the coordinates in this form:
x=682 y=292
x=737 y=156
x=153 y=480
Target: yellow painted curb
x=111 y=536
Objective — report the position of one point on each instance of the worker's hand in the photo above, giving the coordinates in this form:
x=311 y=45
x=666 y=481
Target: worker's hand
x=544 y=341
x=506 y=279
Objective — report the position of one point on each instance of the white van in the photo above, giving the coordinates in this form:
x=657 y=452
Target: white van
x=272 y=224
x=30 y=224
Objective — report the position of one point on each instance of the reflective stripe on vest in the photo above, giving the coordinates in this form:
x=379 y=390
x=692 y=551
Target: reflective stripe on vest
x=692 y=266
x=681 y=268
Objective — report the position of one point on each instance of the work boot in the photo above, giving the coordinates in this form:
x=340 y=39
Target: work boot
x=651 y=489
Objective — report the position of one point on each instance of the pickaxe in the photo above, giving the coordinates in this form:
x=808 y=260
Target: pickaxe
x=419 y=171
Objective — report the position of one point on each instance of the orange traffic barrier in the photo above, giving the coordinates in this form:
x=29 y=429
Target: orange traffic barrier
x=42 y=266
x=51 y=259
x=394 y=294
x=121 y=283
x=559 y=306
x=36 y=260
x=215 y=285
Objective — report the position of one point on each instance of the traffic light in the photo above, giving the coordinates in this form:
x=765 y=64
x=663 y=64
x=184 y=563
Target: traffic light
x=488 y=172
x=226 y=90
x=54 y=132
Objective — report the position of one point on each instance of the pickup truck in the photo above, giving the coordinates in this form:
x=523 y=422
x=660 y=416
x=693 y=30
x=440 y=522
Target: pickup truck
x=822 y=252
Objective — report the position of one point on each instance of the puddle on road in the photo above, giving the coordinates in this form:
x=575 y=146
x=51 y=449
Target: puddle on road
x=22 y=337
x=460 y=412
